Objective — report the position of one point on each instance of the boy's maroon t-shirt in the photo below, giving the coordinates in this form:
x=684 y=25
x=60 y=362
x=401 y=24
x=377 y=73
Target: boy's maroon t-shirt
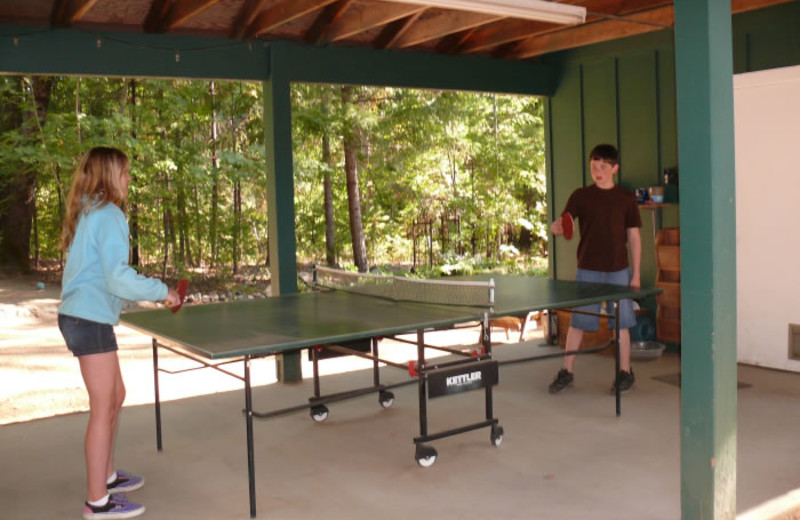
x=604 y=217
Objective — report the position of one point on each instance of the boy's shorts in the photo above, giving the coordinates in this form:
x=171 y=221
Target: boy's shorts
x=589 y=323
x=86 y=337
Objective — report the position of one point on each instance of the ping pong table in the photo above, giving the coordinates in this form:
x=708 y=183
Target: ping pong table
x=345 y=322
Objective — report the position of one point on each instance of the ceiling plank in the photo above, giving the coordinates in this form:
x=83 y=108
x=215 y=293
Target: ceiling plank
x=67 y=12
x=637 y=23
x=330 y=15
x=360 y=20
x=515 y=30
x=181 y=11
x=442 y=25
x=612 y=29
x=281 y=13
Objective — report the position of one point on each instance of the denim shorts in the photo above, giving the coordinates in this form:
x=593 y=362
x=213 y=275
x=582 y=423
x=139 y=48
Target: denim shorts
x=590 y=323
x=86 y=337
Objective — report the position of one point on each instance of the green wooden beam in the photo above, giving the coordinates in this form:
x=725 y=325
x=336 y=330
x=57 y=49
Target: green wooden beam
x=356 y=66
x=37 y=50
x=704 y=85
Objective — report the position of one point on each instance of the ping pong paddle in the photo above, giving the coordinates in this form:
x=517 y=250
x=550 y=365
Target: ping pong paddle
x=182 y=289
x=568 y=225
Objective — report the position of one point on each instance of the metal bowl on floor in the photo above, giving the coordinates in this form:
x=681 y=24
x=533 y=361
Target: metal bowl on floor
x=646 y=350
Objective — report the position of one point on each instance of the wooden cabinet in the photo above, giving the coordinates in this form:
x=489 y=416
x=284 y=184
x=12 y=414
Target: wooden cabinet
x=668 y=279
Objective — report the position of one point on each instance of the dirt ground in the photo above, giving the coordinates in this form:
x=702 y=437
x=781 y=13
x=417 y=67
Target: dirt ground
x=40 y=378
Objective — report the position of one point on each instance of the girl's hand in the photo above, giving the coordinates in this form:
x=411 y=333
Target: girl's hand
x=173 y=298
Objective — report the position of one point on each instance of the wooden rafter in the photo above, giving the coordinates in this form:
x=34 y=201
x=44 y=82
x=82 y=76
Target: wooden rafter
x=389 y=36
x=67 y=12
x=155 y=16
x=330 y=15
x=247 y=13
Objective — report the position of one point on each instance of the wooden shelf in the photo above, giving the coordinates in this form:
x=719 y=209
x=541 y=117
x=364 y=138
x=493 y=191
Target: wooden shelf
x=668 y=279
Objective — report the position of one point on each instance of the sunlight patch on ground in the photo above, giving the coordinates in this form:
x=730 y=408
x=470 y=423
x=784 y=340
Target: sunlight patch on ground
x=784 y=507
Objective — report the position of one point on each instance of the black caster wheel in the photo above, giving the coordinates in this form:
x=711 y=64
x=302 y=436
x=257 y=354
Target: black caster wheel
x=386 y=399
x=319 y=412
x=425 y=456
x=497 y=435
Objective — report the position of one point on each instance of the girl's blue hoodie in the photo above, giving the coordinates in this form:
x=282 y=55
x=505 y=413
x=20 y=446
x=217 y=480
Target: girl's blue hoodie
x=97 y=278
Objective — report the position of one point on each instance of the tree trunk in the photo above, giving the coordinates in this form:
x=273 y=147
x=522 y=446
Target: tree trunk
x=20 y=190
x=330 y=224
x=351 y=144
x=215 y=176
x=133 y=207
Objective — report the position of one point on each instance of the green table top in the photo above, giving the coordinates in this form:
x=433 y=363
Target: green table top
x=285 y=323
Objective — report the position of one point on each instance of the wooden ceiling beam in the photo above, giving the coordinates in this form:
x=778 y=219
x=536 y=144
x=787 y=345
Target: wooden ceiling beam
x=155 y=16
x=67 y=12
x=322 y=25
x=283 y=12
x=442 y=25
x=247 y=13
x=361 y=19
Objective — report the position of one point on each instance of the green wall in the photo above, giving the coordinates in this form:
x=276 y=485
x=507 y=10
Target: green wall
x=623 y=92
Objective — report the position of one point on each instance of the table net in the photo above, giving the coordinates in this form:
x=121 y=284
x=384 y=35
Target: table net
x=398 y=288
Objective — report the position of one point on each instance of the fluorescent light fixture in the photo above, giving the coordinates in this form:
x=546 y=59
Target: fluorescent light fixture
x=539 y=10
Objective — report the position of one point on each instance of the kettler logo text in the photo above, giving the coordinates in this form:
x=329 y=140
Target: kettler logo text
x=463 y=379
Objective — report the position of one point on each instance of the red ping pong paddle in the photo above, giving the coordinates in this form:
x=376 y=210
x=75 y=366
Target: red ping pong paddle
x=568 y=225
x=182 y=289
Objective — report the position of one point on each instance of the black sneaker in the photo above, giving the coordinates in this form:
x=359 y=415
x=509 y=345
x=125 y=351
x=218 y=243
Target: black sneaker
x=563 y=379
x=626 y=382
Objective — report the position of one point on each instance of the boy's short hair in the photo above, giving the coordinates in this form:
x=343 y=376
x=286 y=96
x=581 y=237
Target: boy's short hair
x=605 y=152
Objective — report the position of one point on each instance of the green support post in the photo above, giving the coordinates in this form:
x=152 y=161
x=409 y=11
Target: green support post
x=280 y=194
x=704 y=81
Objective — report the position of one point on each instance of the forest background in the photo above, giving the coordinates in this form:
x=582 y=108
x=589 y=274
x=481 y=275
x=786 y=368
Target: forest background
x=431 y=182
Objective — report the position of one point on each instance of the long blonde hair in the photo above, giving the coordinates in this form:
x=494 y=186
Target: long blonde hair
x=96 y=182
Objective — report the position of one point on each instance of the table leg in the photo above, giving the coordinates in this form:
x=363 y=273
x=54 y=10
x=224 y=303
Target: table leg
x=617 y=394
x=423 y=403
x=486 y=340
x=159 y=445
x=248 y=402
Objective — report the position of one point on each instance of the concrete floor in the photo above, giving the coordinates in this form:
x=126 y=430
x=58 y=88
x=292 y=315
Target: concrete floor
x=562 y=457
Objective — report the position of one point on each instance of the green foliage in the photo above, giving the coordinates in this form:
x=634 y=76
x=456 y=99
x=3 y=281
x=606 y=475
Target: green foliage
x=471 y=165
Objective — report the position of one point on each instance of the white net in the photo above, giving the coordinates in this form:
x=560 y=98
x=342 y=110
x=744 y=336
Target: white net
x=397 y=288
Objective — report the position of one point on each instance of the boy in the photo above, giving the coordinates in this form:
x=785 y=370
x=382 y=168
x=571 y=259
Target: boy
x=609 y=226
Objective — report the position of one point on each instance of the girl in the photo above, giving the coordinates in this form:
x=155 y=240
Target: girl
x=96 y=280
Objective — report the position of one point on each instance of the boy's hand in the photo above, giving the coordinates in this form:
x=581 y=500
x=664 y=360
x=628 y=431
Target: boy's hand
x=173 y=298
x=557 y=228
x=636 y=280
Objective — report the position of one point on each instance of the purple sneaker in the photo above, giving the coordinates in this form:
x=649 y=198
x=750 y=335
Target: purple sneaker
x=125 y=482
x=117 y=507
